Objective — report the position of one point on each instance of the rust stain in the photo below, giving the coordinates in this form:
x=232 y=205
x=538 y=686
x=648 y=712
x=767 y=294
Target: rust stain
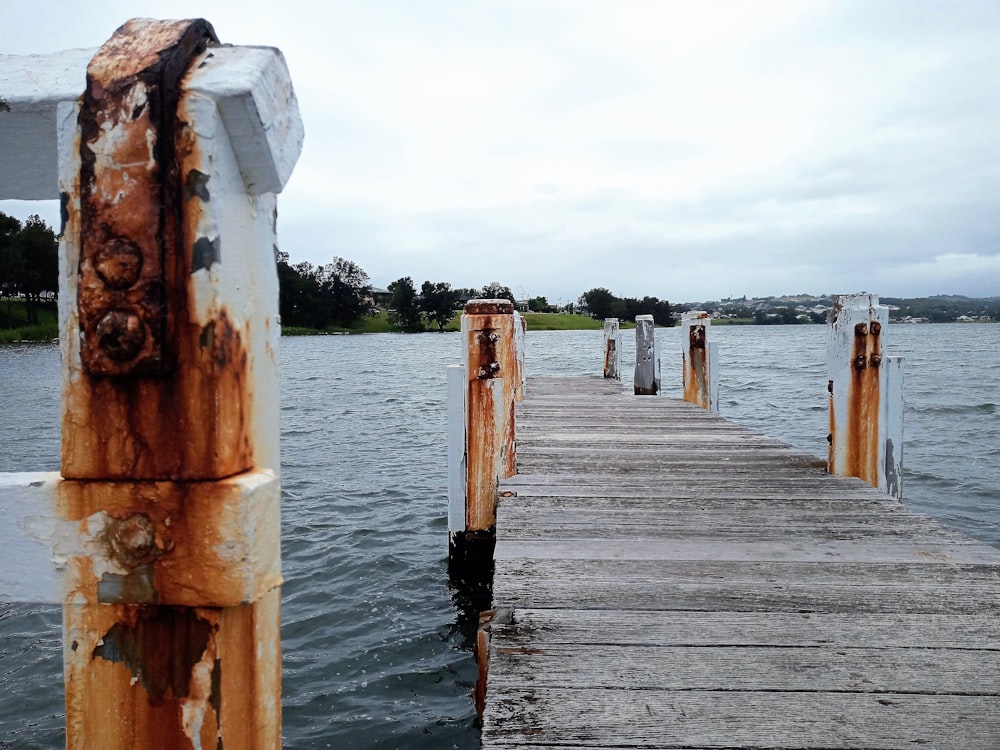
x=482 y=663
x=483 y=447
x=159 y=646
x=137 y=667
x=861 y=455
x=610 y=351
x=191 y=425
x=695 y=380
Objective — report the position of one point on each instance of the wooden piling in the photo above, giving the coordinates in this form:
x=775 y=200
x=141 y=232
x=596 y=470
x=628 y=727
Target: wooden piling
x=166 y=516
x=491 y=373
x=865 y=392
x=647 y=359
x=699 y=354
x=612 y=349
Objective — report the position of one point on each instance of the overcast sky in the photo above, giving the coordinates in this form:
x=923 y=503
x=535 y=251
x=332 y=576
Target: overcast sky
x=685 y=150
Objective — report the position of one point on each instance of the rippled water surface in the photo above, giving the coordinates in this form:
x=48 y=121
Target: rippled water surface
x=372 y=653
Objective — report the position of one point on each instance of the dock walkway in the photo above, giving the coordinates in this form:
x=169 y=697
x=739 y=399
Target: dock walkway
x=666 y=578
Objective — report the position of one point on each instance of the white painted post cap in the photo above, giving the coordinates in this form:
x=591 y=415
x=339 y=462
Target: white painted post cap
x=251 y=87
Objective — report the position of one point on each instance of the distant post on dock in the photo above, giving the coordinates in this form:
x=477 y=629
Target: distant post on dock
x=647 y=358
x=481 y=396
x=160 y=536
x=612 y=349
x=866 y=394
x=520 y=333
x=700 y=358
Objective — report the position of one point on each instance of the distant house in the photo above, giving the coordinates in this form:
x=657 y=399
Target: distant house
x=380 y=297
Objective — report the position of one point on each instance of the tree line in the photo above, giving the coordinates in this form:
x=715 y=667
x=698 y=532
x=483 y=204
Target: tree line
x=600 y=303
x=335 y=294
x=29 y=265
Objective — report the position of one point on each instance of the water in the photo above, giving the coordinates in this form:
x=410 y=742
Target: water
x=373 y=654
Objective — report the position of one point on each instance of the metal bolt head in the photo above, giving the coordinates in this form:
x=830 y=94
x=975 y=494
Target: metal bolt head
x=121 y=335
x=876 y=328
x=132 y=540
x=875 y=360
x=861 y=329
x=118 y=263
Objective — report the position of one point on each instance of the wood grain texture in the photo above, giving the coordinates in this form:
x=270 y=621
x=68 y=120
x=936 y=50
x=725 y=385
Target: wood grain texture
x=666 y=578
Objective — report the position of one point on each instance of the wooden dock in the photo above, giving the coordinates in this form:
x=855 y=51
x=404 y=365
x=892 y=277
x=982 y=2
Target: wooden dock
x=668 y=579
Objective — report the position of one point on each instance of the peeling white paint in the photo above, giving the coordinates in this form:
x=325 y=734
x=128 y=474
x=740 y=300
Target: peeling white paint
x=198 y=701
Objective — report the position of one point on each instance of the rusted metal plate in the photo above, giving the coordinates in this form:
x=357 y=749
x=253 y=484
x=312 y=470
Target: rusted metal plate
x=130 y=194
x=185 y=677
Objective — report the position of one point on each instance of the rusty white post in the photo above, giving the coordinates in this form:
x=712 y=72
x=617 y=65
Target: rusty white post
x=162 y=532
x=491 y=372
x=612 y=349
x=700 y=356
x=520 y=335
x=866 y=396
x=647 y=359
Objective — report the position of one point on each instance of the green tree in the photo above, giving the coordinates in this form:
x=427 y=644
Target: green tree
x=346 y=289
x=496 y=290
x=10 y=259
x=539 y=304
x=404 y=307
x=29 y=262
x=300 y=300
x=599 y=302
x=337 y=293
x=438 y=302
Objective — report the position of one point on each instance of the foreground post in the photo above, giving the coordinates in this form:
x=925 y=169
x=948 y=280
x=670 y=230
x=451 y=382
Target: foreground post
x=491 y=373
x=647 y=359
x=700 y=376
x=166 y=514
x=612 y=349
x=866 y=395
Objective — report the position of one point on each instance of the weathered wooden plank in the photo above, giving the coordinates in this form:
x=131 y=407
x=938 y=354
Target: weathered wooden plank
x=673 y=488
x=795 y=549
x=531 y=522
x=750 y=668
x=546 y=717
x=541 y=628
x=746 y=586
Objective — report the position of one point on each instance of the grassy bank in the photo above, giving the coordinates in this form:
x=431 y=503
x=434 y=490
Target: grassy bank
x=380 y=324
x=14 y=323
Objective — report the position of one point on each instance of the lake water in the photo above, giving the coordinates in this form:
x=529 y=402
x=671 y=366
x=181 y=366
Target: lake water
x=374 y=655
